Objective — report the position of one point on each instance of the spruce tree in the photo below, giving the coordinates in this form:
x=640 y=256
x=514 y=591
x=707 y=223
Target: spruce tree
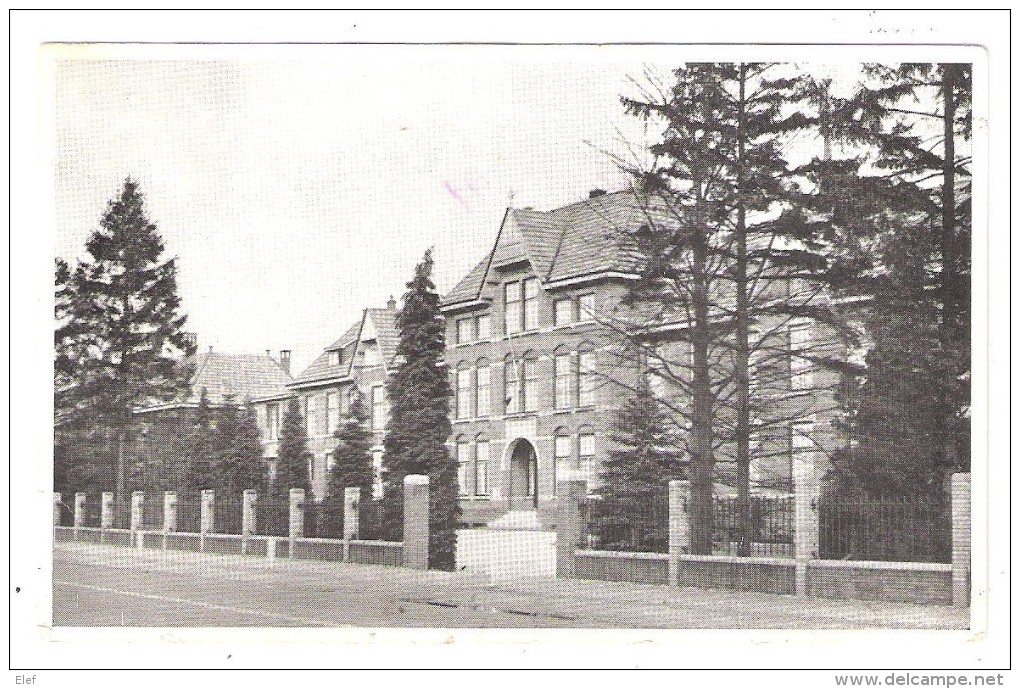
x=419 y=425
x=645 y=456
x=200 y=457
x=352 y=463
x=237 y=451
x=131 y=310
x=292 y=455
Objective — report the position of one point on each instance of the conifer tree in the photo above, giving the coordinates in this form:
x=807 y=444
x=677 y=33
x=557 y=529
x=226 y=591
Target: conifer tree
x=237 y=451
x=129 y=308
x=200 y=456
x=352 y=463
x=292 y=455
x=645 y=456
x=419 y=425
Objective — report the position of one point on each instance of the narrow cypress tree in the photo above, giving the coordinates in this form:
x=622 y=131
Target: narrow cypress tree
x=352 y=463
x=200 y=457
x=419 y=426
x=292 y=458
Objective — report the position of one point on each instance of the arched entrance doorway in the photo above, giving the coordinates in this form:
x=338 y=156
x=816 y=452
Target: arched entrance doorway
x=523 y=493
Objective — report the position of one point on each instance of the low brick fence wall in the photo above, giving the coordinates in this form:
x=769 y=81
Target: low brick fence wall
x=761 y=574
x=638 y=568
x=900 y=582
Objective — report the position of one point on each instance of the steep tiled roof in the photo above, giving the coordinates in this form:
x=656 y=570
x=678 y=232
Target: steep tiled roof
x=580 y=239
x=384 y=322
x=233 y=377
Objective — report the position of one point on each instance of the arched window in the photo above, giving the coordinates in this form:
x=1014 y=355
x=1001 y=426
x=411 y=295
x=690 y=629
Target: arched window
x=463 y=460
x=482 y=387
x=531 y=381
x=481 y=465
x=511 y=386
x=463 y=391
x=562 y=378
x=585 y=375
x=563 y=452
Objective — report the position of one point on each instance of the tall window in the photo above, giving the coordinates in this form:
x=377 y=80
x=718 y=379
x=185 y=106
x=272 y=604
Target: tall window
x=531 y=304
x=482 y=467
x=511 y=391
x=562 y=452
x=465 y=330
x=378 y=393
x=463 y=461
x=482 y=383
x=563 y=311
x=800 y=367
x=562 y=375
x=531 y=381
x=329 y=463
x=377 y=482
x=332 y=412
x=586 y=307
x=512 y=307
x=273 y=422
x=586 y=378
x=484 y=327
x=463 y=392
x=586 y=457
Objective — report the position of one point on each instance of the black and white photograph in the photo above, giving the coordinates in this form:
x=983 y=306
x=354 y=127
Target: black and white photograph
x=503 y=344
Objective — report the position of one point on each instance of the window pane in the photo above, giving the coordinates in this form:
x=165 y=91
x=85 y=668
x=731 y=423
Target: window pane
x=562 y=447
x=562 y=374
x=484 y=329
x=333 y=412
x=530 y=304
x=482 y=468
x=463 y=330
x=510 y=388
x=512 y=312
x=586 y=307
x=329 y=462
x=531 y=384
x=563 y=311
x=378 y=408
x=483 y=399
x=586 y=458
x=464 y=393
x=462 y=467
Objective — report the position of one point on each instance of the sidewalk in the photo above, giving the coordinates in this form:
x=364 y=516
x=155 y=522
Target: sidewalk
x=110 y=585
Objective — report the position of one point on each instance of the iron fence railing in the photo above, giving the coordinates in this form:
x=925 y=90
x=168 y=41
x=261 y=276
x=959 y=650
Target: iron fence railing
x=189 y=512
x=272 y=516
x=632 y=524
x=152 y=511
x=891 y=530
x=770 y=525
x=228 y=514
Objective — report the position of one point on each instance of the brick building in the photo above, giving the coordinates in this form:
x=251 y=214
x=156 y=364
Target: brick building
x=539 y=369
x=355 y=364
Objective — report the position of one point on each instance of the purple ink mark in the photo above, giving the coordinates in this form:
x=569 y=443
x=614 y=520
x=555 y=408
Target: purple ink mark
x=453 y=192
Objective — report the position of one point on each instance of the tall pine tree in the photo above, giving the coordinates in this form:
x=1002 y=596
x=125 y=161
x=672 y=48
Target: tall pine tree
x=130 y=306
x=419 y=425
x=352 y=463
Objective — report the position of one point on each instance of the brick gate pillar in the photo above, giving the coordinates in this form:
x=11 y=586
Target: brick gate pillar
x=679 y=527
x=807 y=490
x=570 y=493
x=79 y=510
x=296 y=527
x=106 y=512
x=169 y=514
x=961 y=539
x=248 y=499
x=416 y=521
x=56 y=509
x=207 y=517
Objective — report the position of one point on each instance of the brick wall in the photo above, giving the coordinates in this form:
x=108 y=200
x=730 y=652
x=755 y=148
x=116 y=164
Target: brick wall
x=886 y=581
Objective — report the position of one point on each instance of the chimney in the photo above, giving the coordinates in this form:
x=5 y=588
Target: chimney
x=269 y=354
x=285 y=360
x=392 y=303
x=595 y=193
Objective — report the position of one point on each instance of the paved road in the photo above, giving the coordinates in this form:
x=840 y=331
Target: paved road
x=96 y=585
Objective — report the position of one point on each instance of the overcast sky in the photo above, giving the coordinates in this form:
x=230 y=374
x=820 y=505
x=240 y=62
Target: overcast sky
x=298 y=188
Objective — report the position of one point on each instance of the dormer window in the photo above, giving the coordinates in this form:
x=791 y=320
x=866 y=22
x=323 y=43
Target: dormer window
x=336 y=357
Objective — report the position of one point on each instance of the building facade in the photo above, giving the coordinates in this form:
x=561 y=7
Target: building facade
x=358 y=363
